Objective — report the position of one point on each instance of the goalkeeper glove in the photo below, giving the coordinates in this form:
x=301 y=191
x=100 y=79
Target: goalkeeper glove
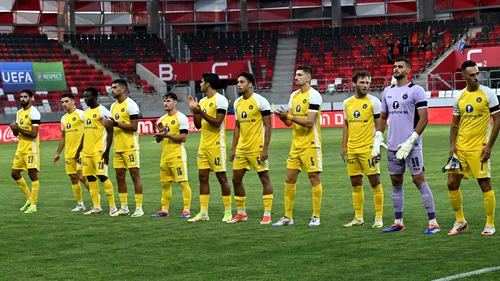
x=406 y=147
x=378 y=141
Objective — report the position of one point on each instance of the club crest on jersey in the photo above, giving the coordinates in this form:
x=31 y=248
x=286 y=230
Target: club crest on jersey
x=117 y=116
x=25 y=116
x=244 y=115
x=479 y=99
x=405 y=96
x=74 y=119
x=395 y=105
x=95 y=115
x=365 y=106
x=469 y=108
x=173 y=122
x=21 y=121
x=250 y=107
x=304 y=101
x=298 y=108
x=89 y=121
x=211 y=104
x=68 y=126
x=356 y=114
x=123 y=110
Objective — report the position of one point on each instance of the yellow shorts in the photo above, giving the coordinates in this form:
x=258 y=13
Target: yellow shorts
x=26 y=161
x=94 y=166
x=126 y=160
x=247 y=160
x=173 y=171
x=363 y=163
x=472 y=163
x=72 y=166
x=308 y=158
x=212 y=158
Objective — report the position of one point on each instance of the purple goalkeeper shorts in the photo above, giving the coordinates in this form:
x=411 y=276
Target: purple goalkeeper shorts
x=415 y=162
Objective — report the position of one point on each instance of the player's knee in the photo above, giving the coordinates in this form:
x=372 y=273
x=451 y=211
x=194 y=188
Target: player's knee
x=236 y=180
x=485 y=184
x=418 y=179
x=356 y=182
x=221 y=177
x=264 y=177
x=16 y=175
x=314 y=178
x=74 y=178
x=33 y=175
x=203 y=177
x=103 y=178
x=374 y=181
x=120 y=174
x=134 y=174
x=398 y=179
x=91 y=178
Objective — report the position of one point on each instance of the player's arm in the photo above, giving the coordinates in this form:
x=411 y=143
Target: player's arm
x=109 y=141
x=455 y=123
x=495 y=114
x=33 y=133
x=236 y=138
x=285 y=116
x=345 y=137
x=268 y=128
x=80 y=147
x=182 y=137
x=217 y=121
x=306 y=122
x=423 y=119
x=134 y=123
x=197 y=121
x=382 y=121
x=60 y=148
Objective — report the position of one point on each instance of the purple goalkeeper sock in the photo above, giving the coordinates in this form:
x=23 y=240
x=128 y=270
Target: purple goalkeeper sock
x=398 y=200
x=428 y=200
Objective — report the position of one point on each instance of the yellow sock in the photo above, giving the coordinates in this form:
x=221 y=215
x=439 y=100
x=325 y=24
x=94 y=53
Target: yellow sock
x=34 y=192
x=227 y=203
x=290 y=190
x=268 y=202
x=166 y=195
x=489 y=207
x=204 y=198
x=77 y=191
x=138 y=201
x=110 y=193
x=186 y=194
x=317 y=195
x=358 y=199
x=378 y=201
x=456 y=203
x=87 y=185
x=24 y=187
x=240 y=202
x=94 y=194
x=123 y=199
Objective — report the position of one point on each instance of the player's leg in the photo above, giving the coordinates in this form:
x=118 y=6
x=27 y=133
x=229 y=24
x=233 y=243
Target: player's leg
x=313 y=163
x=182 y=178
x=72 y=172
x=21 y=182
x=455 y=196
x=79 y=172
x=293 y=167
x=267 y=196
x=415 y=162
x=107 y=185
x=119 y=162
x=355 y=172
x=204 y=167
x=138 y=196
x=218 y=158
x=489 y=206
x=378 y=199
x=396 y=169
x=239 y=194
x=89 y=170
x=35 y=184
x=166 y=190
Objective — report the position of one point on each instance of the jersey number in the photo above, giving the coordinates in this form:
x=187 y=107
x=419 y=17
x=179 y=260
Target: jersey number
x=312 y=161
x=132 y=158
x=258 y=161
x=101 y=165
x=179 y=172
x=371 y=162
x=415 y=162
x=217 y=161
x=30 y=159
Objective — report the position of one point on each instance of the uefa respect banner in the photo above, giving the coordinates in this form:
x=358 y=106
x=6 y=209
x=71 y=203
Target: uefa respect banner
x=49 y=76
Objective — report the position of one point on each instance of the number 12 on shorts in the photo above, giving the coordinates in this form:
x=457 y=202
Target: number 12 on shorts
x=217 y=161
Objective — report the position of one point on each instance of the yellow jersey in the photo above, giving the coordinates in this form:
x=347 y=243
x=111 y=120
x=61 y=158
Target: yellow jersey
x=301 y=104
x=474 y=109
x=360 y=115
x=26 y=119
x=72 y=126
x=174 y=125
x=212 y=136
x=249 y=113
x=124 y=112
x=94 y=133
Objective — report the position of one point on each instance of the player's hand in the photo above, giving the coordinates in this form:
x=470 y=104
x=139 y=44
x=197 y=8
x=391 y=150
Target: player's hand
x=486 y=153
x=282 y=113
x=194 y=106
x=378 y=141
x=453 y=150
x=56 y=159
x=160 y=128
x=343 y=153
x=192 y=101
x=106 y=121
x=14 y=127
x=264 y=155
x=105 y=158
x=406 y=147
x=231 y=155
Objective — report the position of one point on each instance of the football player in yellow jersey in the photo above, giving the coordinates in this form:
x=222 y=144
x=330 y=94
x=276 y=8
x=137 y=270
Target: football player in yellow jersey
x=71 y=136
x=360 y=114
x=125 y=121
x=471 y=142
x=172 y=133
x=96 y=145
x=27 y=156
x=252 y=135
x=303 y=113
x=210 y=117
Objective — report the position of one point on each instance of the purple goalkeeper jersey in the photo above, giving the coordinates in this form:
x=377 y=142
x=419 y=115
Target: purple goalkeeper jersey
x=401 y=104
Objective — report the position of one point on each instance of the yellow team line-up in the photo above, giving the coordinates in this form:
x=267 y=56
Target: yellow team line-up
x=87 y=137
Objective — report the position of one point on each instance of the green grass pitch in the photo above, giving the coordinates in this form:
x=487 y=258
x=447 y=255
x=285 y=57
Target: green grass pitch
x=55 y=244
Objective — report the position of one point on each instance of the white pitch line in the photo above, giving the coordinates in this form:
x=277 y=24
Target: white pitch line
x=467 y=274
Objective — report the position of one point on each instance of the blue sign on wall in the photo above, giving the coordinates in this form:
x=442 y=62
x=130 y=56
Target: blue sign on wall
x=17 y=76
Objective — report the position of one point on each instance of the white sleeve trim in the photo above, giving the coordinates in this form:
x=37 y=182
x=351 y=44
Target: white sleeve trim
x=262 y=102
x=34 y=115
x=376 y=104
x=492 y=98
x=315 y=98
x=183 y=121
x=62 y=124
x=132 y=107
x=236 y=108
x=104 y=111
x=221 y=101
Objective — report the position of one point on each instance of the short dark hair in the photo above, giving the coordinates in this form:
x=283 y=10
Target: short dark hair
x=68 y=95
x=248 y=76
x=306 y=69
x=468 y=63
x=360 y=74
x=405 y=60
x=27 y=91
x=211 y=78
x=93 y=91
x=121 y=82
x=170 y=96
